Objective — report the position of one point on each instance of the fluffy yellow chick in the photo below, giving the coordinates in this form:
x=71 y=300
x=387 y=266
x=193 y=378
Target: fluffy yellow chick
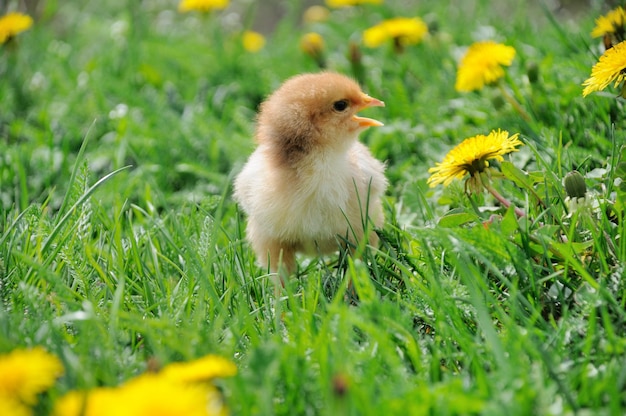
x=310 y=183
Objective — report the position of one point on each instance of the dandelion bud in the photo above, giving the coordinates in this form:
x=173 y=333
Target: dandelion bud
x=533 y=72
x=354 y=53
x=498 y=102
x=575 y=186
x=356 y=62
x=340 y=385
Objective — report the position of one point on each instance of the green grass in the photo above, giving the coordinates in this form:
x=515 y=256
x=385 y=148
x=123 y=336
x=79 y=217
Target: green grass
x=121 y=243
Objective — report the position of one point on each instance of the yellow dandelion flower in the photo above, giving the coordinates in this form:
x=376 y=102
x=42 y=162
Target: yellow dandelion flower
x=348 y=3
x=11 y=407
x=472 y=156
x=204 y=6
x=316 y=14
x=482 y=64
x=13 y=23
x=609 y=68
x=252 y=41
x=153 y=395
x=611 y=23
x=402 y=30
x=312 y=44
x=202 y=369
x=26 y=373
x=95 y=402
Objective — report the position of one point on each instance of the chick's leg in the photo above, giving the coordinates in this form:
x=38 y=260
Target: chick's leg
x=282 y=258
x=278 y=255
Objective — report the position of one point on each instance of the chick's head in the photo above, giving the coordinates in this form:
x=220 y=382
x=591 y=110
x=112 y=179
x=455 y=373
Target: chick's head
x=315 y=110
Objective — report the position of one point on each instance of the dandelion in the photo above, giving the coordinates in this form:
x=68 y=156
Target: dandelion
x=179 y=389
x=13 y=23
x=315 y=14
x=204 y=6
x=26 y=373
x=610 y=26
x=348 y=3
x=472 y=157
x=146 y=395
x=312 y=44
x=153 y=395
x=401 y=30
x=252 y=41
x=12 y=407
x=482 y=65
x=609 y=69
x=86 y=403
x=202 y=369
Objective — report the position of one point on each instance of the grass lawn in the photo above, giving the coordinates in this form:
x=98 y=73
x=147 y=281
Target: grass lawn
x=123 y=124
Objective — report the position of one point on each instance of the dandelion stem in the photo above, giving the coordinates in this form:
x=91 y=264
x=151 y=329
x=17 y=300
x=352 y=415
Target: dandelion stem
x=502 y=199
x=516 y=105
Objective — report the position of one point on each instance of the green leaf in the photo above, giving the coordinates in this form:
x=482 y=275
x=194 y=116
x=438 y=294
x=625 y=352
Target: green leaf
x=518 y=176
x=457 y=219
x=620 y=177
x=509 y=225
x=573 y=247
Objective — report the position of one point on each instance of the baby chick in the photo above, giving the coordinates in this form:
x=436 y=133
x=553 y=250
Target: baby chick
x=310 y=183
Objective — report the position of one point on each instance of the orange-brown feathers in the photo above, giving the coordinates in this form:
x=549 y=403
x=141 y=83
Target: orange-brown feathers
x=300 y=116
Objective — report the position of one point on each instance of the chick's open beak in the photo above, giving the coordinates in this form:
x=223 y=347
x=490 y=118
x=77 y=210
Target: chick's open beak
x=366 y=103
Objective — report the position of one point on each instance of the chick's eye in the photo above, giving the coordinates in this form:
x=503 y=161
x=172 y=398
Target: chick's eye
x=340 y=105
